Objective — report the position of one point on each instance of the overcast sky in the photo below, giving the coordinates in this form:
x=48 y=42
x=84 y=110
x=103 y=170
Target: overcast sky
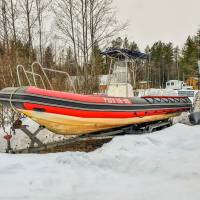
x=153 y=20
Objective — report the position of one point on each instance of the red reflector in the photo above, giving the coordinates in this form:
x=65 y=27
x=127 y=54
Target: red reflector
x=7 y=137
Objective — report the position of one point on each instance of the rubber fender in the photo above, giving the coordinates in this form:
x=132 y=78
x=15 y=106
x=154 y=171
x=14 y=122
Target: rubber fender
x=194 y=118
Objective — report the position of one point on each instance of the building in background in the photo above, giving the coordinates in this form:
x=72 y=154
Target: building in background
x=193 y=81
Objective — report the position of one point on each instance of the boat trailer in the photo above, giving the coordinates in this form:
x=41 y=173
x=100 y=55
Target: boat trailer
x=84 y=143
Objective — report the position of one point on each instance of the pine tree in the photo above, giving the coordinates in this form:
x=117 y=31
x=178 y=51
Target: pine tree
x=126 y=43
x=133 y=46
x=162 y=62
x=189 y=57
x=117 y=43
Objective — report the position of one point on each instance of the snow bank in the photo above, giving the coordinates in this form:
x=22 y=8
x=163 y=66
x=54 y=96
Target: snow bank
x=164 y=165
x=183 y=118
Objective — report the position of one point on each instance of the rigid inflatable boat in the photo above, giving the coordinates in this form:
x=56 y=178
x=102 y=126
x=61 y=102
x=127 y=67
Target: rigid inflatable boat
x=76 y=114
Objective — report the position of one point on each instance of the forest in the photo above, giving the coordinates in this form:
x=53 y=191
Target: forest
x=69 y=35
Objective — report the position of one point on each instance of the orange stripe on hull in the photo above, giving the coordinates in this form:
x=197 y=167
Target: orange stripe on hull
x=98 y=113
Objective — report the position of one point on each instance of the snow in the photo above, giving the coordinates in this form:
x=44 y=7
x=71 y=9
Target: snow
x=164 y=165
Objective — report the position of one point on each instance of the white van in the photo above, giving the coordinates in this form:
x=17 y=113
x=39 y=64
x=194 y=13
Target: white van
x=177 y=85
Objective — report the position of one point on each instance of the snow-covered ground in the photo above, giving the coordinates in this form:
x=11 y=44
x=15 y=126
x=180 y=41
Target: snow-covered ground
x=160 y=166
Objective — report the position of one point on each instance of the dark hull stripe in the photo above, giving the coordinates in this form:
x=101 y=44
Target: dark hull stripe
x=20 y=94
x=20 y=99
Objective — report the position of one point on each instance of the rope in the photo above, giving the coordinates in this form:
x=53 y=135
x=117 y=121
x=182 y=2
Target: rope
x=11 y=98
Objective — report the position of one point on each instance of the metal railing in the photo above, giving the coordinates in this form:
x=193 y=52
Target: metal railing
x=43 y=70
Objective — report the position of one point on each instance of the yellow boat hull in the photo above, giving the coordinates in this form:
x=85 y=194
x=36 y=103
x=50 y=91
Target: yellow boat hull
x=69 y=125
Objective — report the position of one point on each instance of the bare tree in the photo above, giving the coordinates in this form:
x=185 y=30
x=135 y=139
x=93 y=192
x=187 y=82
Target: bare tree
x=13 y=14
x=41 y=9
x=27 y=7
x=5 y=24
x=39 y=18
x=92 y=20
x=66 y=13
x=84 y=23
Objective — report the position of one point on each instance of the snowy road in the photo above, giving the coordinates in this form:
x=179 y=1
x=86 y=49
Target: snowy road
x=160 y=166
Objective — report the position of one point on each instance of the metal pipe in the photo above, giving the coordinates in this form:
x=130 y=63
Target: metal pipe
x=28 y=72
x=126 y=79
x=61 y=72
x=25 y=72
x=42 y=69
x=109 y=74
